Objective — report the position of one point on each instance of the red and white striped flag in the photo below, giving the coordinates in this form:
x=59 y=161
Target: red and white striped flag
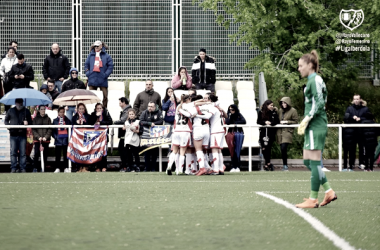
x=158 y=131
x=87 y=145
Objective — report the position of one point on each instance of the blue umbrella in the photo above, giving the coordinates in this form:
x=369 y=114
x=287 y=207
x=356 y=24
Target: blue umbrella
x=31 y=97
x=238 y=139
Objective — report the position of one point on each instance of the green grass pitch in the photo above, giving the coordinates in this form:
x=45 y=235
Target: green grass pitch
x=155 y=211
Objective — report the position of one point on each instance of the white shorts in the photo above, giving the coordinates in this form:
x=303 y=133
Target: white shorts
x=181 y=139
x=217 y=140
x=202 y=133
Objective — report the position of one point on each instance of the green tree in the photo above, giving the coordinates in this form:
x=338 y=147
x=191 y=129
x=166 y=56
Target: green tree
x=285 y=30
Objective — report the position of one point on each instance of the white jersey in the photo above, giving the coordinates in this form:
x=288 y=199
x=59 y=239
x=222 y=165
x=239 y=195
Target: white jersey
x=200 y=121
x=216 y=120
x=182 y=122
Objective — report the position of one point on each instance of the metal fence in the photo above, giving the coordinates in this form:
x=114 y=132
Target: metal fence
x=199 y=30
x=249 y=131
x=146 y=38
x=138 y=34
x=36 y=25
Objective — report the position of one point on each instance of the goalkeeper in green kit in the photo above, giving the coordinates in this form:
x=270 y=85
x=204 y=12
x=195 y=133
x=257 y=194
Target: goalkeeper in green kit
x=314 y=127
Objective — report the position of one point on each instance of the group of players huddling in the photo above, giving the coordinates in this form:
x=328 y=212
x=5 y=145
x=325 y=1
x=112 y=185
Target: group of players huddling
x=198 y=134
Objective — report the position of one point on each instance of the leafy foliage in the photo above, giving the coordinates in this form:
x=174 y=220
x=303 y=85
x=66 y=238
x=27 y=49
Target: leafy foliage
x=285 y=30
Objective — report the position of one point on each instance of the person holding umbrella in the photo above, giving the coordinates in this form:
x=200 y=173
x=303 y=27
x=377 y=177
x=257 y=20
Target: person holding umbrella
x=72 y=83
x=18 y=115
x=41 y=137
x=234 y=116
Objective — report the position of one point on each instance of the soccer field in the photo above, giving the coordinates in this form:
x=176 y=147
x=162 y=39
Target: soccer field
x=156 y=211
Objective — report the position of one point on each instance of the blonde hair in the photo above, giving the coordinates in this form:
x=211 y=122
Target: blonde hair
x=312 y=58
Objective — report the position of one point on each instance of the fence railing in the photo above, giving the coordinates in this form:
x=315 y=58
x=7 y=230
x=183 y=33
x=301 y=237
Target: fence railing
x=249 y=128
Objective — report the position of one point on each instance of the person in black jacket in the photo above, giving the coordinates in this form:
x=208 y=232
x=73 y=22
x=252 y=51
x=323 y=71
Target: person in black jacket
x=351 y=136
x=368 y=137
x=99 y=117
x=234 y=116
x=124 y=105
x=56 y=66
x=52 y=91
x=21 y=73
x=18 y=115
x=267 y=116
x=72 y=83
x=61 y=141
x=203 y=71
x=149 y=118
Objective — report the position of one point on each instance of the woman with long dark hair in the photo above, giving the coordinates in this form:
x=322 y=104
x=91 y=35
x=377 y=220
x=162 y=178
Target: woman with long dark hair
x=234 y=116
x=169 y=105
x=81 y=117
x=99 y=117
x=267 y=117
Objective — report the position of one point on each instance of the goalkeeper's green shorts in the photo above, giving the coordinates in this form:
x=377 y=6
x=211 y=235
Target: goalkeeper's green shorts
x=315 y=133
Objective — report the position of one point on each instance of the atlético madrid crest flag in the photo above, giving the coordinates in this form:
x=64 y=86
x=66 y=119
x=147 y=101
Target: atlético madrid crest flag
x=87 y=145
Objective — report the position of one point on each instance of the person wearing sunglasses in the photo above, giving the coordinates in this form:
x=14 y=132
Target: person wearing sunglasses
x=98 y=67
x=72 y=83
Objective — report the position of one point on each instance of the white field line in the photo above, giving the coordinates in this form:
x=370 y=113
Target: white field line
x=175 y=181
x=318 y=225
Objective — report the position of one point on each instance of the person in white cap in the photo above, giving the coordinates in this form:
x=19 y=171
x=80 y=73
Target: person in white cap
x=98 y=68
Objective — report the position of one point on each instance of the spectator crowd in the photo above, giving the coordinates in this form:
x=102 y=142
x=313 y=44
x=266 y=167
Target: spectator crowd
x=197 y=139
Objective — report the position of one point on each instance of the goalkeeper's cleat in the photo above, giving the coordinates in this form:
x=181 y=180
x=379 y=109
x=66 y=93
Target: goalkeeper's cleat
x=308 y=203
x=329 y=197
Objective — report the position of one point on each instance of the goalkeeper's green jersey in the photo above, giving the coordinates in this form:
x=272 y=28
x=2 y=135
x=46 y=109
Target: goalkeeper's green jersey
x=315 y=100
x=315 y=96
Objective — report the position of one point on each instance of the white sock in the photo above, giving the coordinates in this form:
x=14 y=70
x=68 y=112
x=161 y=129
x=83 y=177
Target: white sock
x=200 y=159
x=210 y=157
x=189 y=158
x=215 y=161
x=176 y=161
x=171 y=161
x=221 y=163
x=194 y=162
x=207 y=160
x=181 y=163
